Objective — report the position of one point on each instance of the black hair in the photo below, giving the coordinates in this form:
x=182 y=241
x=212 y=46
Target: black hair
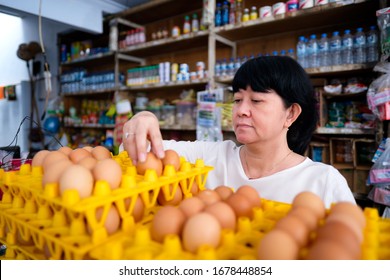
x=290 y=81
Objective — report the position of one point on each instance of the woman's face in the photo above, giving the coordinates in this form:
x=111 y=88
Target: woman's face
x=259 y=117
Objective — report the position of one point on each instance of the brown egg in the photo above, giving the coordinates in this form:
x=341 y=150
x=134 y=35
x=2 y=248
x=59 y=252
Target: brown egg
x=39 y=157
x=112 y=220
x=343 y=235
x=172 y=158
x=108 y=170
x=151 y=162
x=201 y=229
x=311 y=201
x=101 y=152
x=350 y=209
x=277 y=245
x=224 y=192
x=65 y=150
x=138 y=210
x=348 y=221
x=251 y=194
x=191 y=206
x=88 y=162
x=194 y=188
x=88 y=148
x=167 y=220
x=208 y=196
x=79 y=178
x=240 y=205
x=53 y=173
x=224 y=214
x=78 y=154
x=294 y=227
x=306 y=216
x=175 y=200
x=328 y=250
x=53 y=157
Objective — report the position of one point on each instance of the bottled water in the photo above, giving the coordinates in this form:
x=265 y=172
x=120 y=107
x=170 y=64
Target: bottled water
x=347 y=52
x=312 y=51
x=301 y=52
x=217 y=68
x=291 y=53
x=225 y=13
x=224 y=67
x=372 y=45
x=335 y=48
x=230 y=67
x=323 y=50
x=360 y=46
x=218 y=15
x=237 y=64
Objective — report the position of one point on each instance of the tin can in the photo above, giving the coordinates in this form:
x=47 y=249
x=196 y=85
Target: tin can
x=321 y=2
x=184 y=68
x=278 y=8
x=200 y=66
x=265 y=11
x=292 y=5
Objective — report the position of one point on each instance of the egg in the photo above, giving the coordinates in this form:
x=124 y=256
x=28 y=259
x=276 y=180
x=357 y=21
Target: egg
x=240 y=205
x=294 y=227
x=78 y=154
x=311 y=201
x=175 y=200
x=101 y=152
x=65 y=150
x=191 y=206
x=88 y=148
x=167 y=220
x=328 y=250
x=341 y=234
x=112 y=220
x=224 y=192
x=224 y=214
x=251 y=194
x=39 y=157
x=194 y=190
x=53 y=173
x=277 y=245
x=138 y=210
x=88 y=162
x=208 y=196
x=346 y=219
x=77 y=177
x=353 y=210
x=201 y=229
x=308 y=217
x=108 y=170
x=53 y=157
x=151 y=162
x=172 y=158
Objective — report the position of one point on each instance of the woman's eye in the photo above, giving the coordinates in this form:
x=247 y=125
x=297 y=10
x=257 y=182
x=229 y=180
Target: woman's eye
x=256 y=101
x=236 y=100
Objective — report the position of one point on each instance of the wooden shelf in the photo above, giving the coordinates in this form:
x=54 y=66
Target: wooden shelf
x=311 y=18
x=89 y=92
x=184 y=42
x=344 y=130
x=166 y=85
x=91 y=125
x=91 y=59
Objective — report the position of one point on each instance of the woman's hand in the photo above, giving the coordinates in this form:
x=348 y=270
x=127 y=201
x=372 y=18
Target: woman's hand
x=137 y=132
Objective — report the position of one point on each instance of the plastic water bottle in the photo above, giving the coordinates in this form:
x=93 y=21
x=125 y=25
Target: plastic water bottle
x=230 y=67
x=323 y=50
x=218 y=15
x=301 y=52
x=360 y=46
x=372 y=45
x=224 y=67
x=312 y=51
x=217 y=68
x=335 y=48
x=237 y=64
x=291 y=53
x=347 y=52
x=225 y=13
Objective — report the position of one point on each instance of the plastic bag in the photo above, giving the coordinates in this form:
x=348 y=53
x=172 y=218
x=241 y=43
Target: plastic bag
x=378 y=94
x=380 y=171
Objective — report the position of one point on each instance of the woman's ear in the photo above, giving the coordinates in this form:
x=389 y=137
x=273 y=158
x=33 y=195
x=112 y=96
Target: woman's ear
x=293 y=113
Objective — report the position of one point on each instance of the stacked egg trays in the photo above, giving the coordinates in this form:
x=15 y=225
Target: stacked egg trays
x=36 y=222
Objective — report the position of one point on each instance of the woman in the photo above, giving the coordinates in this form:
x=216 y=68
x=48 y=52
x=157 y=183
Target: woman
x=274 y=117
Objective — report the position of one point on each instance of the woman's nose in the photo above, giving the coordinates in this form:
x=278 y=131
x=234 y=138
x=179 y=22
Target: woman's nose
x=243 y=109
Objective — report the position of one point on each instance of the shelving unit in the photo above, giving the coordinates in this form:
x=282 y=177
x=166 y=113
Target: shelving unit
x=215 y=43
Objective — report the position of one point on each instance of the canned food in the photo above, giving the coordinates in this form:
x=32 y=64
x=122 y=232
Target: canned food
x=279 y=8
x=184 y=68
x=265 y=11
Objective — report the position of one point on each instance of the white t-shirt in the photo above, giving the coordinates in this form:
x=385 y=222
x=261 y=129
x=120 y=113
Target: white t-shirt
x=319 y=178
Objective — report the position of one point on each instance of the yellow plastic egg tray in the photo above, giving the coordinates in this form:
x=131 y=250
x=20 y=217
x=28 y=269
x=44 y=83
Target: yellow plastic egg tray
x=54 y=226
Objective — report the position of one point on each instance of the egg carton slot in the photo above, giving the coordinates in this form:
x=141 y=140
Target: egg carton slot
x=67 y=226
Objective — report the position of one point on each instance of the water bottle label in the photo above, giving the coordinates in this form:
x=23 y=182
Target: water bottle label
x=348 y=42
x=360 y=41
x=372 y=39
